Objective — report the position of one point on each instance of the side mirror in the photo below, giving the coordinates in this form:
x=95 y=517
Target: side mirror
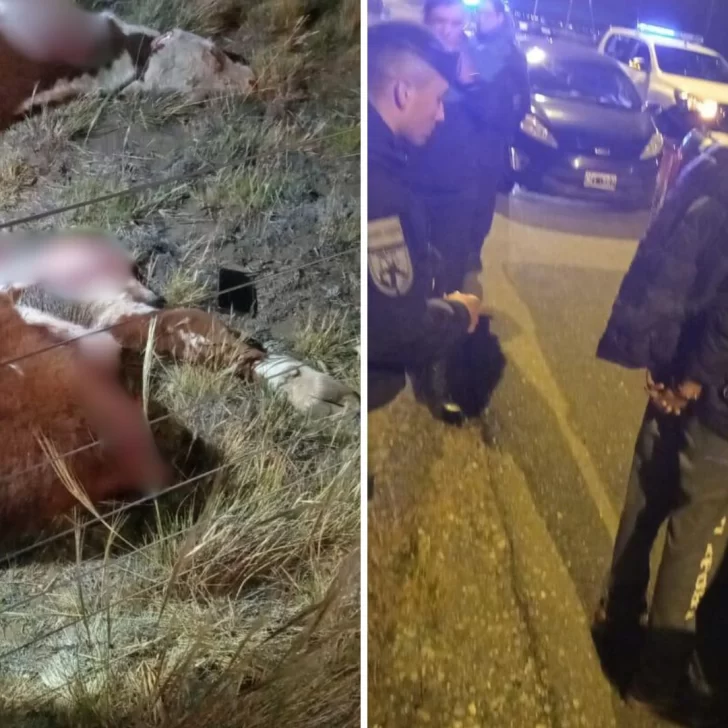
x=653 y=108
x=638 y=64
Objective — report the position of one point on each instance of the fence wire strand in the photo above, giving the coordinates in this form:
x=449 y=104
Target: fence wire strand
x=127 y=506
x=94 y=569
x=161 y=582
x=207 y=170
x=157 y=312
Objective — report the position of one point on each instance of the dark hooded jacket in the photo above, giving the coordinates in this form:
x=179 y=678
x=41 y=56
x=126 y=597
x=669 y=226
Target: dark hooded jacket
x=456 y=176
x=671 y=313
x=501 y=66
x=408 y=326
x=458 y=172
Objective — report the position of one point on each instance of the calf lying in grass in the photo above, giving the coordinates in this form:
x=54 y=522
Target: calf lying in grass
x=99 y=274
x=56 y=398
x=52 y=52
x=57 y=402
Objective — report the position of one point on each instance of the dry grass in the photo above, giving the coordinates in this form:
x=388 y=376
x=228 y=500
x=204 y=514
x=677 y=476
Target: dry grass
x=233 y=603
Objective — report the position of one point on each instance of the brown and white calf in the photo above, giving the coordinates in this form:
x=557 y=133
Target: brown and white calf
x=98 y=273
x=51 y=52
x=61 y=398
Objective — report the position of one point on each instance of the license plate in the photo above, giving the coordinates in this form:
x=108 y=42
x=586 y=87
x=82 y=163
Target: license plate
x=601 y=181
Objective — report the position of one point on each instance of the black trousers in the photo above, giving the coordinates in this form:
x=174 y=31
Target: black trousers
x=679 y=475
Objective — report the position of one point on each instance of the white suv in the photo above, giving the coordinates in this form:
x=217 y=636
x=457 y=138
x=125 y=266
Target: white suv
x=670 y=68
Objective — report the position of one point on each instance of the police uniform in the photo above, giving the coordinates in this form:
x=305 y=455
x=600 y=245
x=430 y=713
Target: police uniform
x=409 y=327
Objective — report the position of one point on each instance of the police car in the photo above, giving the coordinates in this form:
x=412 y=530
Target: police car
x=673 y=71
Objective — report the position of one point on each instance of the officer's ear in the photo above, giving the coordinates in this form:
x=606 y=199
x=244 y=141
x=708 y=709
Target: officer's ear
x=401 y=93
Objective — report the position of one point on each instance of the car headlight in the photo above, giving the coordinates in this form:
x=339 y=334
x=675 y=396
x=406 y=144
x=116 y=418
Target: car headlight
x=532 y=127
x=706 y=108
x=654 y=146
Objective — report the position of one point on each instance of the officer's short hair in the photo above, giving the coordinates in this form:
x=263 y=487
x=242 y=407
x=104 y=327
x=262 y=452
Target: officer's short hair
x=432 y=5
x=408 y=51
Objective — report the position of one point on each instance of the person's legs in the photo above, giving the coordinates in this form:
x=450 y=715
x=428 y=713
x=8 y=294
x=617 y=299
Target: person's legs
x=695 y=546
x=651 y=494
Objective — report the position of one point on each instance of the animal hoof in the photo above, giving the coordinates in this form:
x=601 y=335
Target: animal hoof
x=320 y=395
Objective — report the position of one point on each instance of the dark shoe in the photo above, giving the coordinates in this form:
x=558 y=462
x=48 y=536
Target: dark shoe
x=647 y=694
x=431 y=388
x=662 y=680
x=618 y=644
x=701 y=705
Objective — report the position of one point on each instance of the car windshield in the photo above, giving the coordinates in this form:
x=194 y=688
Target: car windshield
x=594 y=83
x=681 y=62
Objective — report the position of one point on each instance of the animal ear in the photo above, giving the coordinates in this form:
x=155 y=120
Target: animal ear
x=237 y=58
x=10 y=296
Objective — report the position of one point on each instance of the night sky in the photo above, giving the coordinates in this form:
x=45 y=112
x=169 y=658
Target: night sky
x=688 y=15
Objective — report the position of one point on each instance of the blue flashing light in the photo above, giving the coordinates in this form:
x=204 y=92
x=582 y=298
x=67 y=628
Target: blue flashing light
x=471 y=3
x=656 y=30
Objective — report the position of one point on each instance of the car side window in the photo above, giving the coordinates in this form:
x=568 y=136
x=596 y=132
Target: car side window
x=640 y=59
x=620 y=48
x=610 y=49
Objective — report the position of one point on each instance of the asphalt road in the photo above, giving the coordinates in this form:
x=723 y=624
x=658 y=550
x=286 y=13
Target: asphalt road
x=488 y=544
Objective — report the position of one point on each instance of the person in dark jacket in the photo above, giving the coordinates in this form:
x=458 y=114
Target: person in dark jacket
x=456 y=172
x=500 y=64
x=671 y=318
x=410 y=328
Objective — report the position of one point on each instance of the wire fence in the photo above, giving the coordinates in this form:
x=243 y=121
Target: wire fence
x=206 y=170
x=100 y=567
x=81 y=677
x=350 y=246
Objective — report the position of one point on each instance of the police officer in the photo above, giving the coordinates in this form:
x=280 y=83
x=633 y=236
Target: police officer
x=501 y=65
x=453 y=172
x=410 y=329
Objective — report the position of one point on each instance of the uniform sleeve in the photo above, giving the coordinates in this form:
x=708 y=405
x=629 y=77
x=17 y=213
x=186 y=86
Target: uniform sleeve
x=406 y=327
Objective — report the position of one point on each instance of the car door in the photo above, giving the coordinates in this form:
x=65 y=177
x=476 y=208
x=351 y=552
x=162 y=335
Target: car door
x=639 y=68
x=620 y=48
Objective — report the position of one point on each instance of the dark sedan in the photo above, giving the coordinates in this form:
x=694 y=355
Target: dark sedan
x=588 y=134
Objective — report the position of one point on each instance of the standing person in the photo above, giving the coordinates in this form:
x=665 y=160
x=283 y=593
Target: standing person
x=453 y=172
x=671 y=318
x=411 y=329
x=501 y=65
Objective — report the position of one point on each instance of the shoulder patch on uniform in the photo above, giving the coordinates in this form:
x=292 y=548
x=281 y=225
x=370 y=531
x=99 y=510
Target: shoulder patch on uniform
x=390 y=266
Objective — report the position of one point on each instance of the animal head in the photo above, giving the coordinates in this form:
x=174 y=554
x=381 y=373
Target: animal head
x=84 y=268
x=187 y=63
x=52 y=52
